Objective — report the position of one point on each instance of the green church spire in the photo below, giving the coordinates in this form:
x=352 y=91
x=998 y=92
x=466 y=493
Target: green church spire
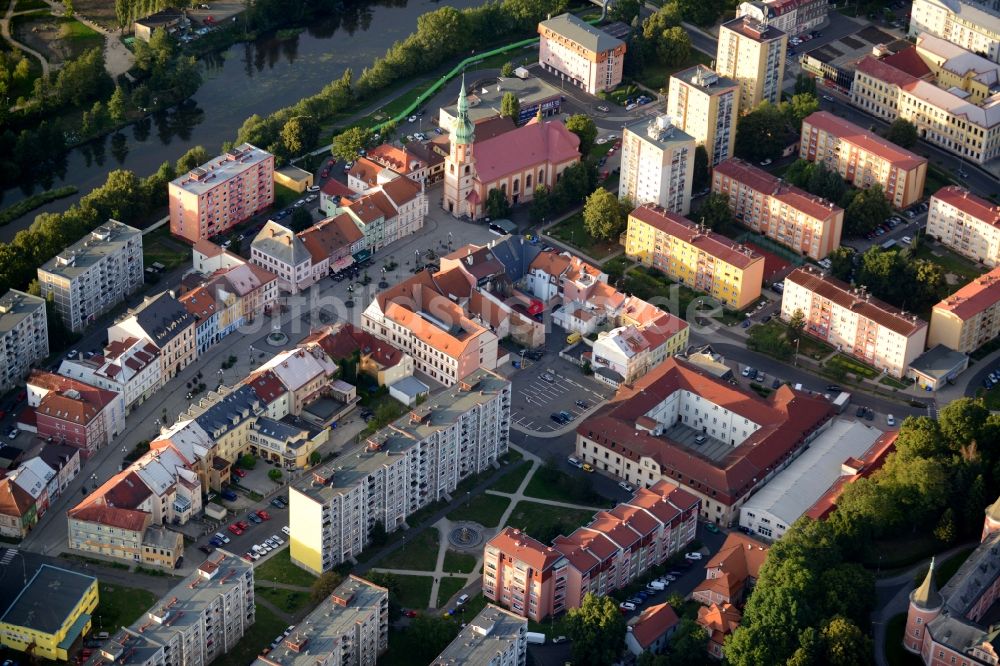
x=462 y=129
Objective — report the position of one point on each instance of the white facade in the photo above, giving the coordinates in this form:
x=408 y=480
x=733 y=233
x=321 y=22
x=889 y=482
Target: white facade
x=973 y=26
x=580 y=54
x=131 y=368
x=277 y=249
x=24 y=335
x=965 y=223
x=657 y=165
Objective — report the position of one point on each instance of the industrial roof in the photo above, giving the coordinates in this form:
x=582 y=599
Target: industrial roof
x=47 y=600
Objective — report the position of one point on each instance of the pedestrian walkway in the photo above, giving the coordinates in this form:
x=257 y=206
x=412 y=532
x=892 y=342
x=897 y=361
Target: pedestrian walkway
x=5 y=29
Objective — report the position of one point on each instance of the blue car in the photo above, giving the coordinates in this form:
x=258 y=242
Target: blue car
x=746 y=323
x=228 y=495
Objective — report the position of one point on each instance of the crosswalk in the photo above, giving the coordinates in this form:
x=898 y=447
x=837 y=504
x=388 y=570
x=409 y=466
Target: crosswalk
x=8 y=555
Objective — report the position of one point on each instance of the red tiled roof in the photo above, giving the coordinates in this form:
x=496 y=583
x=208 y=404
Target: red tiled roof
x=69 y=399
x=335 y=188
x=199 y=302
x=342 y=340
x=528 y=146
x=719 y=621
x=334 y=235
x=391 y=157
x=266 y=386
x=128 y=493
x=708 y=241
x=980 y=294
x=770 y=185
x=653 y=623
x=14 y=500
x=366 y=171
x=373 y=206
x=207 y=248
x=880 y=70
x=865 y=140
x=126 y=519
x=841 y=293
x=909 y=62
x=969 y=203
x=521 y=547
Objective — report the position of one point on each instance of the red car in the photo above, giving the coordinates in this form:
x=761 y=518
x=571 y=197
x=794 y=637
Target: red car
x=410 y=613
x=240 y=472
x=242 y=524
x=324 y=174
x=263 y=515
x=235 y=529
x=618 y=144
x=246 y=556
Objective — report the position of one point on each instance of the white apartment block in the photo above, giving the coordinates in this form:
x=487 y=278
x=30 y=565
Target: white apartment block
x=580 y=54
x=974 y=26
x=495 y=637
x=348 y=628
x=966 y=223
x=753 y=54
x=854 y=322
x=417 y=460
x=657 y=165
x=93 y=275
x=790 y=16
x=202 y=618
x=24 y=335
x=129 y=367
x=706 y=106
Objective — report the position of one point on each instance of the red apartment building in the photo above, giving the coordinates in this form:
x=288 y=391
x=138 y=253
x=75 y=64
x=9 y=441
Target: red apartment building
x=73 y=412
x=618 y=546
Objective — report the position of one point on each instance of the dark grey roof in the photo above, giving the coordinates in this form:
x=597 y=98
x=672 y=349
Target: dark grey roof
x=516 y=254
x=613 y=375
x=940 y=362
x=48 y=599
x=231 y=410
x=277 y=429
x=163 y=318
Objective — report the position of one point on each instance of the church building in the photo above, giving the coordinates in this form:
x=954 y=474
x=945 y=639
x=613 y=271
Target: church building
x=515 y=162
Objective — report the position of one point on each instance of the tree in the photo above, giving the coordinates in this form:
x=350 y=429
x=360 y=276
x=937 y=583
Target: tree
x=597 y=630
x=315 y=458
x=761 y=133
x=842 y=263
x=541 y=204
x=701 y=176
x=962 y=422
x=624 y=10
x=497 y=205
x=68 y=7
x=274 y=475
x=699 y=12
x=902 y=133
x=299 y=134
x=714 y=212
x=116 y=106
x=673 y=46
x=247 y=461
x=507 y=70
x=583 y=126
x=805 y=84
x=348 y=144
x=300 y=220
x=193 y=157
x=868 y=210
x=797 y=322
x=846 y=644
x=123 y=13
x=434 y=634
x=324 y=586
x=801 y=106
x=602 y=215
x=510 y=107
x=945 y=531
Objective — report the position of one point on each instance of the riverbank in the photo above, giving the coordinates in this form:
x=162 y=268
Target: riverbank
x=35 y=201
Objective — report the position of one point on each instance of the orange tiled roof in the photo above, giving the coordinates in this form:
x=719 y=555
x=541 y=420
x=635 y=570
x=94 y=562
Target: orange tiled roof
x=719 y=621
x=970 y=204
x=709 y=242
x=14 y=500
x=772 y=186
x=653 y=623
x=366 y=171
x=520 y=547
x=975 y=297
x=126 y=519
x=864 y=139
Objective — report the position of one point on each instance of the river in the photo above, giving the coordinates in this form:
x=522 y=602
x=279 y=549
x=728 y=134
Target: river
x=255 y=77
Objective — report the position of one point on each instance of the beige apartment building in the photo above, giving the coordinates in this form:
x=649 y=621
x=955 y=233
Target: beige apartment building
x=753 y=54
x=863 y=158
x=854 y=322
x=705 y=106
x=495 y=637
x=967 y=224
x=975 y=26
x=94 y=274
x=657 y=164
x=802 y=222
x=24 y=336
x=580 y=54
x=970 y=317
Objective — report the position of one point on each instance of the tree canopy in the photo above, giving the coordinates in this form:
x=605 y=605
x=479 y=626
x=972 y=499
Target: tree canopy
x=602 y=215
x=510 y=107
x=348 y=144
x=902 y=132
x=583 y=126
x=868 y=209
x=597 y=630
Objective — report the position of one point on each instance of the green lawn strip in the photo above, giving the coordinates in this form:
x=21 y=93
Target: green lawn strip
x=414 y=591
x=120 y=606
x=950 y=263
x=25 y=5
x=266 y=627
x=894 y=383
x=554 y=484
x=448 y=588
x=159 y=246
x=460 y=563
x=281 y=570
x=83 y=37
x=483 y=509
x=991 y=398
x=545 y=522
x=895 y=653
x=657 y=76
x=289 y=601
x=14 y=211
x=936 y=179
x=854 y=366
x=571 y=231
x=512 y=481
x=419 y=553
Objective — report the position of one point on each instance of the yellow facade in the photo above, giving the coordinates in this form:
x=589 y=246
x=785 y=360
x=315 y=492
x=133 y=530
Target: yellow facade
x=753 y=55
x=706 y=106
x=306 y=539
x=53 y=646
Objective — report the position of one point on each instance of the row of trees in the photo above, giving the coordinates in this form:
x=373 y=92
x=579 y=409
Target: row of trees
x=764 y=132
x=898 y=278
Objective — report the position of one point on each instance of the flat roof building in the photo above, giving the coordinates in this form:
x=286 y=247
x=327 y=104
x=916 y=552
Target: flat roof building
x=484 y=102
x=24 y=335
x=706 y=105
x=753 y=54
x=582 y=54
x=657 y=164
x=495 y=637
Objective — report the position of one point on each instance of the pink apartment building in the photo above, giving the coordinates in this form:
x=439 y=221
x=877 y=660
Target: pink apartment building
x=618 y=546
x=581 y=54
x=221 y=193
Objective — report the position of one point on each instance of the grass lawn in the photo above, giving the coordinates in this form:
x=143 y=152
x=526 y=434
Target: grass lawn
x=936 y=179
x=120 y=606
x=544 y=522
x=289 y=601
x=284 y=196
x=770 y=339
x=553 y=484
x=483 y=509
x=656 y=76
x=950 y=263
x=894 y=383
x=990 y=398
x=853 y=366
x=895 y=653
x=616 y=267
x=159 y=246
x=266 y=627
x=280 y=569
x=418 y=554
x=511 y=482
x=414 y=591
x=462 y=563
x=572 y=232
x=448 y=588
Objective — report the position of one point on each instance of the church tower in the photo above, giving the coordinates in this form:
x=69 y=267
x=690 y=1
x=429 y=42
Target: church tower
x=460 y=197
x=925 y=605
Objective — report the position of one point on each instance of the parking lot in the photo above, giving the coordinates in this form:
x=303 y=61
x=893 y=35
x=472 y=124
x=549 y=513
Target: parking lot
x=552 y=385
x=254 y=534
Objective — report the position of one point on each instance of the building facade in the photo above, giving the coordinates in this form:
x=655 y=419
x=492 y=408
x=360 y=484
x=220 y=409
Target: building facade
x=93 y=275
x=657 y=165
x=130 y=367
x=863 y=158
x=705 y=106
x=166 y=323
x=753 y=54
x=802 y=222
x=792 y=17
x=69 y=411
x=969 y=318
x=218 y=195
x=24 y=335
x=965 y=223
x=975 y=26
x=854 y=322
x=580 y=54
x=696 y=257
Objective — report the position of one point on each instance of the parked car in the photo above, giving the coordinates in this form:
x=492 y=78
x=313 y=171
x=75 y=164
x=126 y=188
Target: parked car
x=890 y=420
x=587 y=467
x=711 y=527
x=207 y=549
x=557 y=417
x=626 y=487
x=228 y=495
x=582 y=404
x=242 y=524
x=242 y=473
x=276 y=502
x=254 y=518
x=264 y=515
x=548 y=376
x=765 y=162
x=235 y=529
x=693 y=557
x=573 y=461
x=626 y=607
x=287 y=531
x=461 y=600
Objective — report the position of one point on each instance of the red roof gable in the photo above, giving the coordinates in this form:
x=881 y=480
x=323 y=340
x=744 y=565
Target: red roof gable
x=533 y=144
x=653 y=623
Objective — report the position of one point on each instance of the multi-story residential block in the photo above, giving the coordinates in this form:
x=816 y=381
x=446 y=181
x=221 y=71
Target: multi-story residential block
x=218 y=195
x=657 y=164
x=975 y=26
x=495 y=637
x=705 y=106
x=732 y=571
x=166 y=323
x=278 y=249
x=129 y=367
x=376 y=358
x=417 y=460
x=966 y=223
x=863 y=158
x=694 y=256
x=716 y=441
x=802 y=222
x=580 y=54
x=24 y=335
x=94 y=274
x=618 y=546
x=753 y=54
x=854 y=322
x=970 y=317
x=625 y=353
x=200 y=619
x=50 y=614
x=73 y=412
x=945 y=91
x=792 y=17
x=348 y=628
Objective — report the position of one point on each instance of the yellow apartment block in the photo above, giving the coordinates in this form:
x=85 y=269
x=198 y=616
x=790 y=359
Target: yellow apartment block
x=706 y=106
x=970 y=317
x=695 y=257
x=754 y=55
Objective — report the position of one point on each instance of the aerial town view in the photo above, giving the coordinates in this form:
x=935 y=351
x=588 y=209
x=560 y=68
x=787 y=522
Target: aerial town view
x=500 y=332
